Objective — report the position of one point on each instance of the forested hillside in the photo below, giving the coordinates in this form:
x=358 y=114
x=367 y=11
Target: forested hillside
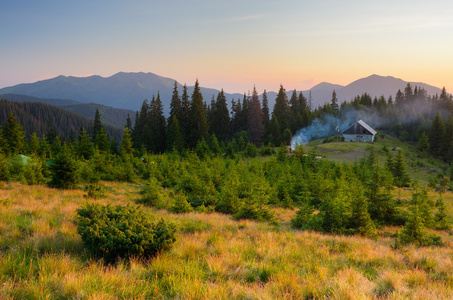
x=42 y=118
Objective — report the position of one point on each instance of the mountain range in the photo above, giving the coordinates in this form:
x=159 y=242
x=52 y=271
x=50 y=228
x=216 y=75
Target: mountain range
x=128 y=90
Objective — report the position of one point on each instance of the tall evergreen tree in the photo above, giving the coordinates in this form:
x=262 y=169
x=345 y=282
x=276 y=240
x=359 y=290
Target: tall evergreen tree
x=437 y=136
x=97 y=123
x=265 y=107
x=129 y=122
x=334 y=104
x=184 y=123
x=255 y=119
x=158 y=126
x=281 y=110
x=176 y=108
x=175 y=138
x=14 y=136
x=198 y=121
x=220 y=124
x=126 y=144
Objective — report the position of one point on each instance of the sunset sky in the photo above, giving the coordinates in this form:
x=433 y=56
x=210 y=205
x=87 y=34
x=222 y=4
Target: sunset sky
x=229 y=44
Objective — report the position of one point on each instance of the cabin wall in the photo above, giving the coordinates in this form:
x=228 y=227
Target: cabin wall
x=358 y=138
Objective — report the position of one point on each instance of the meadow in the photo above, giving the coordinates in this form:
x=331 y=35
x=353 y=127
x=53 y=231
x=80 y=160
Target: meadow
x=214 y=256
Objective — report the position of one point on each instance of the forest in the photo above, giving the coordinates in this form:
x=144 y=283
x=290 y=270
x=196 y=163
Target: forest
x=205 y=159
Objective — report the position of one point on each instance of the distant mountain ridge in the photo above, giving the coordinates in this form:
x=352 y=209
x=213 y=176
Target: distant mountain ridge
x=128 y=90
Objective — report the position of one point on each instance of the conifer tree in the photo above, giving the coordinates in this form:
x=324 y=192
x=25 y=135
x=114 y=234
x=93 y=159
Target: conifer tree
x=255 y=119
x=399 y=170
x=158 y=134
x=102 y=141
x=198 y=121
x=97 y=125
x=220 y=124
x=84 y=147
x=64 y=170
x=176 y=108
x=126 y=143
x=334 y=104
x=14 y=136
x=175 y=138
x=33 y=144
x=184 y=123
x=281 y=110
x=129 y=122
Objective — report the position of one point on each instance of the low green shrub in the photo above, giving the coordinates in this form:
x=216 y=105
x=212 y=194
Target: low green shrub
x=114 y=232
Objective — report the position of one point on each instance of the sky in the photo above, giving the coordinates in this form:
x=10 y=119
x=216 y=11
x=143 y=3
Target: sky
x=233 y=45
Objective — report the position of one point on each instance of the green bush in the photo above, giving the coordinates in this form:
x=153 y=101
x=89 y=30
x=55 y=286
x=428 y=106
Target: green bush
x=114 y=232
x=181 y=205
x=64 y=170
x=153 y=196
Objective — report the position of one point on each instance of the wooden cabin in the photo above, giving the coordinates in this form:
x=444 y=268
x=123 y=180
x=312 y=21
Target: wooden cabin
x=359 y=132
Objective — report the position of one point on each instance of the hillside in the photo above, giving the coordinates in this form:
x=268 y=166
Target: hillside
x=115 y=117
x=419 y=166
x=34 y=116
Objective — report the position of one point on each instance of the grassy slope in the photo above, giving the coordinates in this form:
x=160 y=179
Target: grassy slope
x=351 y=152
x=41 y=256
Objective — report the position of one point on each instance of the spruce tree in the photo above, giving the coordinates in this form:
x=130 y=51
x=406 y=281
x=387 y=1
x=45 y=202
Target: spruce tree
x=437 y=136
x=14 y=136
x=84 y=147
x=198 y=121
x=126 y=143
x=175 y=138
x=221 y=125
x=158 y=133
x=334 y=104
x=97 y=125
x=64 y=170
x=399 y=170
x=281 y=111
x=255 y=119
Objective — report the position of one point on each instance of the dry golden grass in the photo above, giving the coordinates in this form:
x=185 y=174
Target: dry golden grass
x=214 y=257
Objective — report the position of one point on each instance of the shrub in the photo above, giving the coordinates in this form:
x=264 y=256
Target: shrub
x=152 y=195
x=114 y=232
x=181 y=205
x=64 y=170
x=250 y=150
x=95 y=191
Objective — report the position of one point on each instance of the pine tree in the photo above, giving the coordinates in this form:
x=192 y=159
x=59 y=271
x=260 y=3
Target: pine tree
x=176 y=108
x=281 y=110
x=221 y=124
x=265 y=107
x=84 y=147
x=361 y=219
x=399 y=170
x=184 y=123
x=64 y=170
x=33 y=144
x=198 y=121
x=334 y=104
x=126 y=143
x=102 y=141
x=255 y=119
x=158 y=126
x=437 y=136
x=14 y=136
x=423 y=143
x=175 y=138
x=97 y=125
x=129 y=122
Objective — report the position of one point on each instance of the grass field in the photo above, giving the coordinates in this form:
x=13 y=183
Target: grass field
x=214 y=257
x=420 y=167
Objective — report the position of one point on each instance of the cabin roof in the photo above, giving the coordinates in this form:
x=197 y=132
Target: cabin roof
x=363 y=124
